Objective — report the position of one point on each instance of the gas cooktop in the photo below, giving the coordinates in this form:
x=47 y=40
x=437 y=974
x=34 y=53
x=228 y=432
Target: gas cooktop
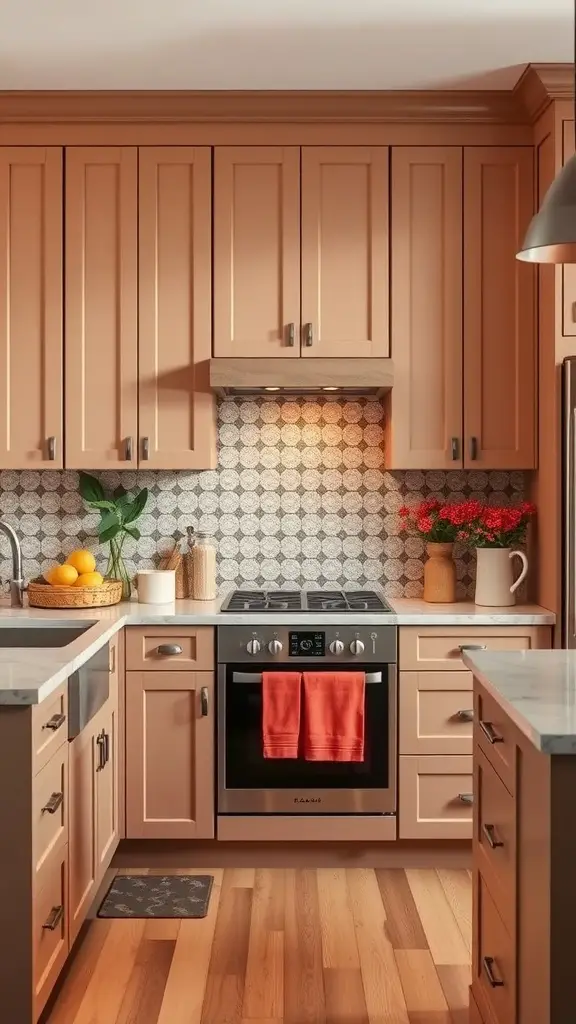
x=342 y=601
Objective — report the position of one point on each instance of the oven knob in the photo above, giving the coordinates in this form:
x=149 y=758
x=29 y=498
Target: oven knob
x=336 y=647
x=356 y=647
x=275 y=647
x=253 y=647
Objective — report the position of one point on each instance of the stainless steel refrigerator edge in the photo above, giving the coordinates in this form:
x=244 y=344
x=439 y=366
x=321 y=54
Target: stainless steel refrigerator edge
x=569 y=501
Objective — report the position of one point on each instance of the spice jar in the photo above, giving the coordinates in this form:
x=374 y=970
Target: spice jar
x=203 y=567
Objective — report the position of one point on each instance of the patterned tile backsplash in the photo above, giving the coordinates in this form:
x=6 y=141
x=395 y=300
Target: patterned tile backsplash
x=300 y=498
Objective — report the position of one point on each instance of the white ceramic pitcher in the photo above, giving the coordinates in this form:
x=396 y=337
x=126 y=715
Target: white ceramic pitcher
x=495 y=584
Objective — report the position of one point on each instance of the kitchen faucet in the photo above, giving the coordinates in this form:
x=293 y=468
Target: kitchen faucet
x=16 y=583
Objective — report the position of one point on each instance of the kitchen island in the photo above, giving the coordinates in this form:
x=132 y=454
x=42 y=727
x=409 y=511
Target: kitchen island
x=524 y=836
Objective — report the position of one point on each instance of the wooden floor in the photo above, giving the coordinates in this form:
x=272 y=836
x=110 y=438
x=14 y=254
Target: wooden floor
x=326 y=946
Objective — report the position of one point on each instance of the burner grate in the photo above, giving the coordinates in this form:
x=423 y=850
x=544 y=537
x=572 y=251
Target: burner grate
x=346 y=601
x=263 y=601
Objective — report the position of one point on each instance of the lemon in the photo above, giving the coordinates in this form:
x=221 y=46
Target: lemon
x=89 y=579
x=61 y=576
x=82 y=560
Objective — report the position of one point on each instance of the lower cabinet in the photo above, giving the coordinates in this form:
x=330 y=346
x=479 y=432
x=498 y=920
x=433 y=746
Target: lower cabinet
x=435 y=797
x=50 y=936
x=169 y=755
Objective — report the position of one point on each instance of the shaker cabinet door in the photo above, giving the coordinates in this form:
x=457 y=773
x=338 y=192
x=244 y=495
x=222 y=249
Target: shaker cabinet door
x=83 y=869
x=256 y=251
x=345 y=251
x=426 y=307
x=101 y=311
x=31 y=308
x=176 y=406
x=499 y=310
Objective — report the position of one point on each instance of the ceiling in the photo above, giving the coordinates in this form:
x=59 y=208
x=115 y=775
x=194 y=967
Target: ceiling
x=269 y=44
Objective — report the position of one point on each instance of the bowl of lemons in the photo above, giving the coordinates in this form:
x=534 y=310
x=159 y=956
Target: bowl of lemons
x=74 y=584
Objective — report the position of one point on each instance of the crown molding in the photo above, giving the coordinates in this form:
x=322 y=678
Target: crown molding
x=540 y=84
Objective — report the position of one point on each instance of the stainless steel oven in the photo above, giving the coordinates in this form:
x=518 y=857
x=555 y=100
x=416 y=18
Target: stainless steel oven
x=248 y=783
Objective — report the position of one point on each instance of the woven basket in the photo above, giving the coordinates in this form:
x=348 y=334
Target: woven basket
x=42 y=595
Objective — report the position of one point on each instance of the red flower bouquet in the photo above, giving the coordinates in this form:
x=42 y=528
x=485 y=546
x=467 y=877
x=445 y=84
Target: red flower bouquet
x=495 y=526
x=435 y=521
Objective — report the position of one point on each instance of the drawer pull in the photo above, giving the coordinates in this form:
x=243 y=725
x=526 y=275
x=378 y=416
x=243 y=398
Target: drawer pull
x=54 y=917
x=465 y=715
x=488 y=965
x=52 y=805
x=106 y=755
x=172 y=650
x=471 y=647
x=204 y=701
x=100 y=740
x=466 y=798
x=55 y=722
x=490 y=833
x=490 y=732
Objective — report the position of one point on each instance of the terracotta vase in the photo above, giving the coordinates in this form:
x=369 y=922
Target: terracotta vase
x=439 y=574
x=495 y=584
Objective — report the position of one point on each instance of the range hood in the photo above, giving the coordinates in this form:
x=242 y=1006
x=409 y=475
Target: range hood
x=298 y=376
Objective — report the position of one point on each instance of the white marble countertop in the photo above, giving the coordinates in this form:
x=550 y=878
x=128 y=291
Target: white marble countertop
x=28 y=675
x=536 y=689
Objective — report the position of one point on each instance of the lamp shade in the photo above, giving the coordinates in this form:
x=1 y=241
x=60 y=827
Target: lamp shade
x=551 y=237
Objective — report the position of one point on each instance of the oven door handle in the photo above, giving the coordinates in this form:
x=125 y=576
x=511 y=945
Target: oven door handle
x=256 y=677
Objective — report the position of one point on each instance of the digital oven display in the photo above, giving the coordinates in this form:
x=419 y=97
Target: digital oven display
x=307 y=645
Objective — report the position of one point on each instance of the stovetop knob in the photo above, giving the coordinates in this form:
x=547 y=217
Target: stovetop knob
x=356 y=647
x=253 y=647
x=336 y=647
x=275 y=647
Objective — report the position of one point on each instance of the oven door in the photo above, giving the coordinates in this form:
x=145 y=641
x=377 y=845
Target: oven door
x=249 y=783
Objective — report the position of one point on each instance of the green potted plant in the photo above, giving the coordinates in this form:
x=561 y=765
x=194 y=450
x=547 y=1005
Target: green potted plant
x=118 y=516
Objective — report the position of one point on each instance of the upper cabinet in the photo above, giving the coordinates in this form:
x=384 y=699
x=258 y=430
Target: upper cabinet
x=101 y=294
x=499 y=310
x=31 y=308
x=256 y=251
x=176 y=408
x=330 y=299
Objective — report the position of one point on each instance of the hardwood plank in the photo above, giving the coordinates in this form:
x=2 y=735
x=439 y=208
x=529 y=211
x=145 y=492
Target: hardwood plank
x=431 y=1017
x=381 y=980
x=184 y=994
x=339 y=947
x=403 y=924
x=345 y=1000
x=444 y=936
x=420 y=982
x=143 y=996
x=227 y=972
x=458 y=890
x=455 y=981
x=239 y=878
x=223 y=999
x=264 y=988
x=83 y=963
x=304 y=1001
x=105 y=991
x=162 y=929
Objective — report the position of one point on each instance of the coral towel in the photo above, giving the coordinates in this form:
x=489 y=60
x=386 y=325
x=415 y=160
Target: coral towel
x=334 y=712
x=281 y=713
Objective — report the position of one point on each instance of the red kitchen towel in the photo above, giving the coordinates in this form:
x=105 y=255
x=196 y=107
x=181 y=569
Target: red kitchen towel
x=281 y=713
x=334 y=716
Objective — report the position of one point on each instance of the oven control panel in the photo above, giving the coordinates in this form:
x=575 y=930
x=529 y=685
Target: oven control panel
x=331 y=644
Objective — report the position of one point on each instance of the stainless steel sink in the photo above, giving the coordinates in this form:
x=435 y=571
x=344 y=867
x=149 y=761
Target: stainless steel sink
x=53 y=634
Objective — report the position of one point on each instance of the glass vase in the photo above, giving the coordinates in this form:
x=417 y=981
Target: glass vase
x=116 y=568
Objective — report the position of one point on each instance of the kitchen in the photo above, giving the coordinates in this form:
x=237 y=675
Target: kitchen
x=182 y=316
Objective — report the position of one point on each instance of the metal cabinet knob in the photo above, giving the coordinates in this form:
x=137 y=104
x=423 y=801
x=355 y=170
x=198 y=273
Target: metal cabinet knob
x=51 y=445
x=54 y=917
x=128 y=449
x=466 y=798
x=490 y=732
x=473 y=448
x=55 y=722
x=488 y=966
x=308 y=335
x=291 y=333
x=490 y=833
x=465 y=715
x=145 y=449
x=455 y=448
x=471 y=647
x=204 y=705
x=171 y=650
x=52 y=805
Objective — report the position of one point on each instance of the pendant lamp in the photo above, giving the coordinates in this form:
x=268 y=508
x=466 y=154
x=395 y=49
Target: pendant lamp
x=551 y=236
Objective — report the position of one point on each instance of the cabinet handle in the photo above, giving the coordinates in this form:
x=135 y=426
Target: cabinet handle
x=52 y=805
x=466 y=798
x=465 y=715
x=145 y=448
x=112 y=660
x=54 y=917
x=204 y=701
x=51 y=444
x=128 y=449
x=473 y=448
x=308 y=335
x=106 y=744
x=55 y=722
x=100 y=742
x=455 y=448
x=171 y=650
x=490 y=732
x=490 y=833
x=291 y=333
x=471 y=647
x=488 y=965
x=574 y=312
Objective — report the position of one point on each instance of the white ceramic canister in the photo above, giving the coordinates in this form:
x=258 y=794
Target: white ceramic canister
x=156 y=586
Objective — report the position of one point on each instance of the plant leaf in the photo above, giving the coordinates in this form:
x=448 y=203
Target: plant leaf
x=110 y=533
x=105 y=504
x=136 y=508
x=119 y=492
x=90 y=488
x=108 y=520
x=133 y=531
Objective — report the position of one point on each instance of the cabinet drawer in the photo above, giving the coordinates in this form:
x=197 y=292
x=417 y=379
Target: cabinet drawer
x=494 y=733
x=436 y=710
x=493 y=977
x=49 y=726
x=50 y=931
x=435 y=797
x=438 y=648
x=495 y=836
x=169 y=649
x=50 y=812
